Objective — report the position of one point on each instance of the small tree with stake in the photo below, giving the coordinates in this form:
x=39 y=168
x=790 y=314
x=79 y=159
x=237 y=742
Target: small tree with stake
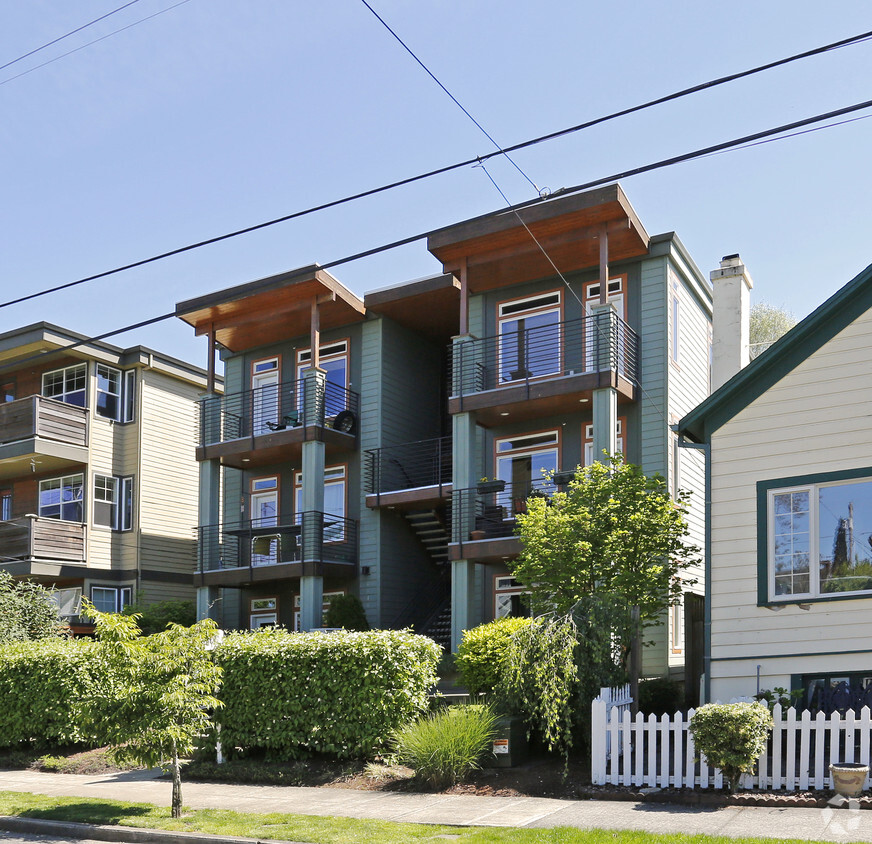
x=163 y=687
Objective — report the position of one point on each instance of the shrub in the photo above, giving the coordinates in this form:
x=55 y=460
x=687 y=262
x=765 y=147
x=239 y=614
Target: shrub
x=346 y=611
x=339 y=693
x=732 y=736
x=41 y=686
x=483 y=651
x=660 y=695
x=447 y=745
x=154 y=618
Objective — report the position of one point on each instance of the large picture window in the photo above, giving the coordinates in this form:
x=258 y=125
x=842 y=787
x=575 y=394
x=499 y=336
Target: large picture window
x=523 y=462
x=67 y=385
x=819 y=539
x=61 y=498
x=529 y=337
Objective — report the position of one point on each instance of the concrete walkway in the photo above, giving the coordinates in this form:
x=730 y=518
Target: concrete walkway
x=844 y=825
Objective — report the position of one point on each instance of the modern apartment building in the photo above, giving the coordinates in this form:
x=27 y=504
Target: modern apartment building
x=98 y=481
x=383 y=446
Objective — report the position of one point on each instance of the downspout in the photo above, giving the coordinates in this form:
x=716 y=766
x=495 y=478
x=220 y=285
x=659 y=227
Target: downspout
x=705 y=448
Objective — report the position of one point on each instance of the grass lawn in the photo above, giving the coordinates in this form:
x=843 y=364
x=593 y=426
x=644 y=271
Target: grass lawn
x=314 y=829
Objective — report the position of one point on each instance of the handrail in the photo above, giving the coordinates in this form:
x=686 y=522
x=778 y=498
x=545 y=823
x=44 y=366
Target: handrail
x=421 y=463
x=597 y=343
x=493 y=512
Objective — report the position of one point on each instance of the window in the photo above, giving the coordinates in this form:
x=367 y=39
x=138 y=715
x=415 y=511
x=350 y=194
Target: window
x=819 y=538
x=333 y=359
x=7 y=393
x=522 y=462
x=263 y=612
x=508 y=598
x=529 y=331
x=67 y=385
x=264 y=509
x=334 y=502
x=5 y=505
x=676 y=628
x=113 y=502
x=619 y=441
x=327 y=597
x=61 y=498
x=68 y=601
x=116 y=391
x=111 y=598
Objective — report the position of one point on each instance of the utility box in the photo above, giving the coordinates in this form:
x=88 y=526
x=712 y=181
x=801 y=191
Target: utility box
x=510 y=744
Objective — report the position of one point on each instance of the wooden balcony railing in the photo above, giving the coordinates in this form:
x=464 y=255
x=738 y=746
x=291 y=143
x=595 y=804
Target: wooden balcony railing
x=37 y=416
x=35 y=538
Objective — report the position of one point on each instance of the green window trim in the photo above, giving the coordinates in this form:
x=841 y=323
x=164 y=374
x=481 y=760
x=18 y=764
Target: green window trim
x=763 y=489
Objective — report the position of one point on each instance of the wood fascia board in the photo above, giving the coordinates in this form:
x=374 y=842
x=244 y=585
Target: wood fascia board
x=237 y=319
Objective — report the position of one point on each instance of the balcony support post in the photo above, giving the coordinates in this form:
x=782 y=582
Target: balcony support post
x=314 y=390
x=464 y=476
x=312 y=585
x=209 y=513
x=605 y=399
x=207 y=602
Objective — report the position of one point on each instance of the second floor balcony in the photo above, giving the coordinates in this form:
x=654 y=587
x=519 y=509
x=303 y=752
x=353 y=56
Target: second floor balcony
x=43 y=430
x=269 y=424
x=277 y=548
x=32 y=545
x=411 y=474
x=526 y=372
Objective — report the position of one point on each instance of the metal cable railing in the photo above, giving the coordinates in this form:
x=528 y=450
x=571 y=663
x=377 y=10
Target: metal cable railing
x=275 y=407
x=598 y=343
x=409 y=465
x=491 y=507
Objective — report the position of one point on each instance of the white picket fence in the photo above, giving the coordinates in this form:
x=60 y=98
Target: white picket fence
x=658 y=752
x=618 y=701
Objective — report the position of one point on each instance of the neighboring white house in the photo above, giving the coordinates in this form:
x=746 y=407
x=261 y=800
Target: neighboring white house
x=788 y=442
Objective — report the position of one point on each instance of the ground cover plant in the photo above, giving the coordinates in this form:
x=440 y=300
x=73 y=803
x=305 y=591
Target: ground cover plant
x=448 y=744
x=325 y=830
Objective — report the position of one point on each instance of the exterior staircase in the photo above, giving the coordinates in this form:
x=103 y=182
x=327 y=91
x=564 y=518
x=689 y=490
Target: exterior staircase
x=438 y=627
x=432 y=532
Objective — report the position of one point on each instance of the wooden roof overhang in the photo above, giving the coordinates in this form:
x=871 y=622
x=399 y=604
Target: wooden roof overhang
x=272 y=309
x=498 y=250
x=429 y=306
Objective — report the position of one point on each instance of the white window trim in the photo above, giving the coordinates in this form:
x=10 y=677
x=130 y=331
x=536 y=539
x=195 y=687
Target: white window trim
x=65 y=393
x=123 y=595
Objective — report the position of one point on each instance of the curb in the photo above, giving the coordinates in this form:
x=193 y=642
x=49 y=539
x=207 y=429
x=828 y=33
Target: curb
x=125 y=834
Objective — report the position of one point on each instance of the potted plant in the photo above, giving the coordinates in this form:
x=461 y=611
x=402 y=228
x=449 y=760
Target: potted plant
x=493 y=485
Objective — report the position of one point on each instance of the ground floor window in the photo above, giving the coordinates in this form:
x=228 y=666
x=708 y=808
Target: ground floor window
x=327 y=598
x=111 y=598
x=834 y=691
x=263 y=612
x=510 y=598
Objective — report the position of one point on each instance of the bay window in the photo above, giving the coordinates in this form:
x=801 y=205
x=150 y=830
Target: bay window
x=113 y=502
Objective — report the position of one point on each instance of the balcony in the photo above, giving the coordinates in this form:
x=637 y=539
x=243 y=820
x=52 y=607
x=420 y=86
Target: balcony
x=483 y=524
x=269 y=424
x=42 y=430
x=286 y=546
x=32 y=545
x=543 y=370
x=410 y=475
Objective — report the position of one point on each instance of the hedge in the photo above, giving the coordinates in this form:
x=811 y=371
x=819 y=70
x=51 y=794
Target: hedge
x=482 y=653
x=340 y=693
x=40 y=686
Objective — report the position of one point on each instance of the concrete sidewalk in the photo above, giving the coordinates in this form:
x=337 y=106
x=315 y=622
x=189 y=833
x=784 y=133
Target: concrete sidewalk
x=843 y=825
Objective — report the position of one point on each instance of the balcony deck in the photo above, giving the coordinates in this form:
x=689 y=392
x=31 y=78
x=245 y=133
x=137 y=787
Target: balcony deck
x=411 y=475
x=30 y=544
x=39 y=428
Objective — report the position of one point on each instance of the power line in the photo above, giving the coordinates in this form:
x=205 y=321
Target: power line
x=68 y=34
x=454 y=99
x=95 y=41
x=668 y=162
x=411 y=239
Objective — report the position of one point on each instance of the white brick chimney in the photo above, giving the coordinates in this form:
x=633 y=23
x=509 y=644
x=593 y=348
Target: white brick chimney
x=730 y=319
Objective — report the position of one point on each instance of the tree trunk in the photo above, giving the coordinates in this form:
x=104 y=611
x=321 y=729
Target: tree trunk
x=177 y=784
x=635 y=667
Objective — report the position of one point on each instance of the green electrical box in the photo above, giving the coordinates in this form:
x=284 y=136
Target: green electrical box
x=510 y=744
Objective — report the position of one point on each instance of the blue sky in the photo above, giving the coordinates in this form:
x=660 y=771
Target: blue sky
x=216 y=115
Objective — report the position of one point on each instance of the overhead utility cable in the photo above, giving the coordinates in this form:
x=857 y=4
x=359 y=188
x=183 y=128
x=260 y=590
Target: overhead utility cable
x=95 y=41
x=561 y=192
x=454 y=99
x=68 y=34
x=513 y=208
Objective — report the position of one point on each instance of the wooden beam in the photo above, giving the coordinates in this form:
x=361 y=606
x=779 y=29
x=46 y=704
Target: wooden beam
x=268 y=309
x=604 y=264
x=464 y=298
x=210 y=363
x=315 y=335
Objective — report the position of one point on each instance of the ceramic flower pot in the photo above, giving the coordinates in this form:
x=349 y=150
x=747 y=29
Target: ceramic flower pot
x=849 y=778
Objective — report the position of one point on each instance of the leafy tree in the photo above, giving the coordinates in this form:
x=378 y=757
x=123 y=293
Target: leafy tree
x=159 y=692
x=613 y=531
x=768 y=324
x=346 y=611
x=27 y=611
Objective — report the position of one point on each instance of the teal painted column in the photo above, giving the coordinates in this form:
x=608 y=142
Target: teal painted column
x=605 y=399
x=312 y=585
x=209 y=506
x=464 y=614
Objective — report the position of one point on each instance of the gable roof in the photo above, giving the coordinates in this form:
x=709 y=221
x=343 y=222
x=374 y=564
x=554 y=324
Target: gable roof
x=802 y=341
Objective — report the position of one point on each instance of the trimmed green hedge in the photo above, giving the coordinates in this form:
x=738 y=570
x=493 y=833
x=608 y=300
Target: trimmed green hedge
x=340 y=693
x=40 y=688
x=482 y=653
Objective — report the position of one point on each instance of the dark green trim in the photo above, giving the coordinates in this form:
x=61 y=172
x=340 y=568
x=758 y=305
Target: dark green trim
x=789 y=656
x=802 y=341
x=763 y=488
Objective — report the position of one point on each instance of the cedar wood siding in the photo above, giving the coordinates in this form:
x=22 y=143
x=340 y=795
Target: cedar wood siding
x=815 y=419
x=400 y=403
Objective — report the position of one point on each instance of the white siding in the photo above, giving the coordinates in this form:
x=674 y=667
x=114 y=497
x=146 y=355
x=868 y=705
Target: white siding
x=814 y=420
